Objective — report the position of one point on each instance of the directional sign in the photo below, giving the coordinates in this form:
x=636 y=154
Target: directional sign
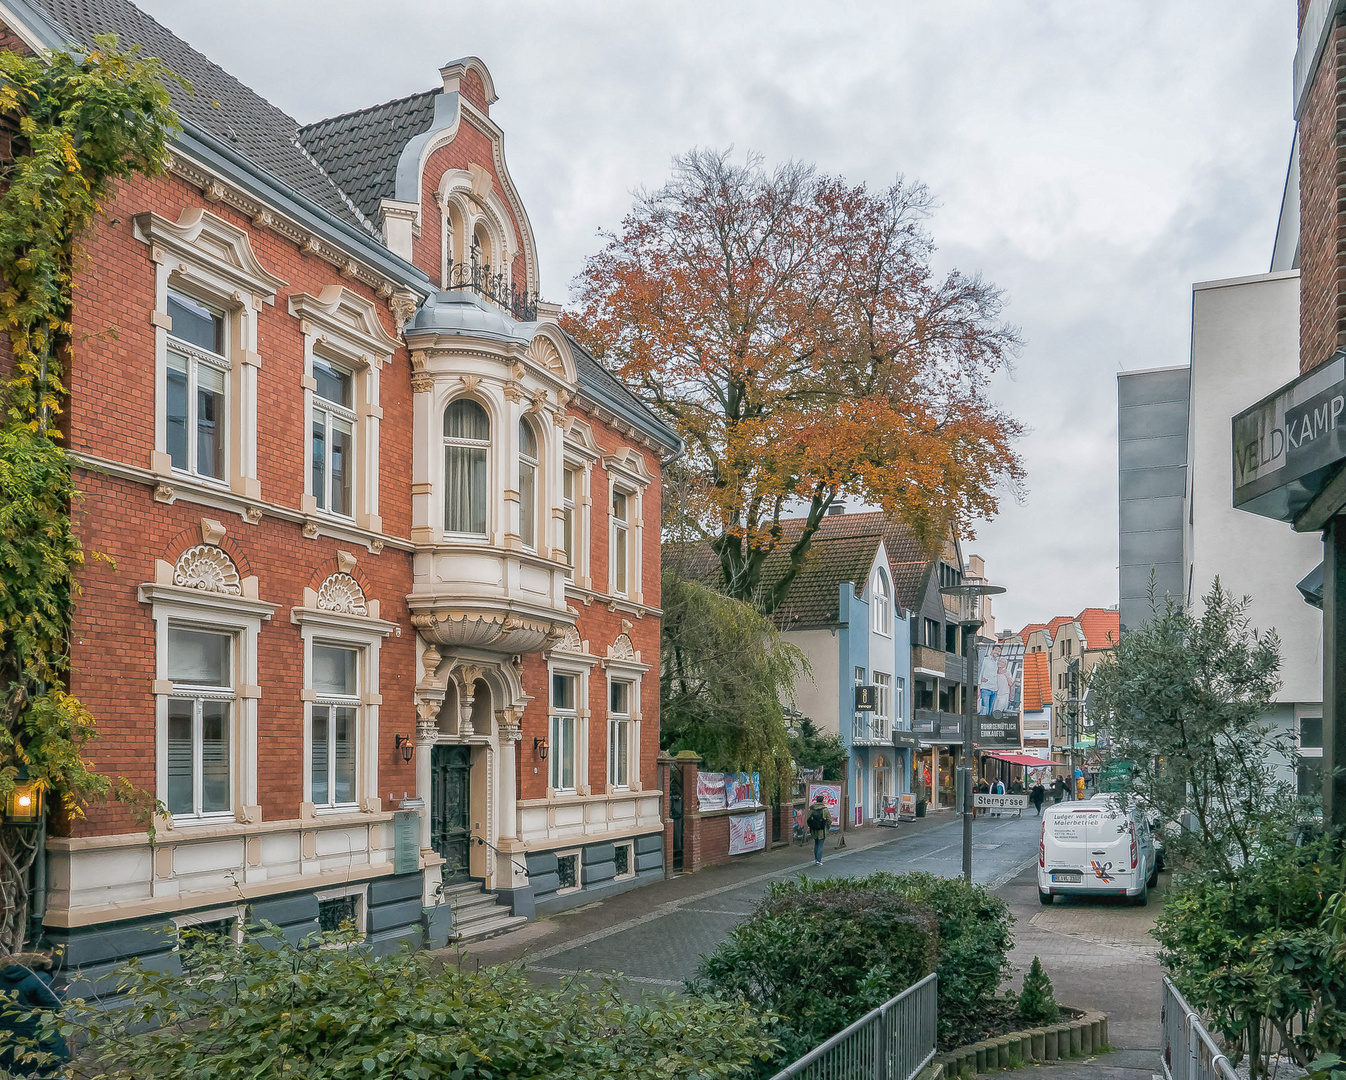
x=1000 y=802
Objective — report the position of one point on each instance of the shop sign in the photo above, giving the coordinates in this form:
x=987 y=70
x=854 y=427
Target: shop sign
x=1288 y=445
x=998 y=732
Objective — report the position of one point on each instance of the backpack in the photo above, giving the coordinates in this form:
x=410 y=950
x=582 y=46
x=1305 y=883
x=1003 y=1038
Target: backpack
x=819 y=819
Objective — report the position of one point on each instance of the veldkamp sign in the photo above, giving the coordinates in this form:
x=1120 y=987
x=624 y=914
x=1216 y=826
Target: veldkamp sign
x=1288 y=445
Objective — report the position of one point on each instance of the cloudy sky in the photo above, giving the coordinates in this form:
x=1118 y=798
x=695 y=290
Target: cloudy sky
x=1091 y=159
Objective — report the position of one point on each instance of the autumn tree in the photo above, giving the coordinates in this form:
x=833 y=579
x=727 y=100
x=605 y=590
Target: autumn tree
x=790 y=326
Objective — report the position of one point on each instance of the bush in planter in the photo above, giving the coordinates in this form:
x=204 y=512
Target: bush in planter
x=1037 y=1003
x=274 y=1009
x=820 y=954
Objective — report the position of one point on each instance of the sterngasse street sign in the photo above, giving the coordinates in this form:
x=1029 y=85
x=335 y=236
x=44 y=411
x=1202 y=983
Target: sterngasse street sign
x=1288 y=445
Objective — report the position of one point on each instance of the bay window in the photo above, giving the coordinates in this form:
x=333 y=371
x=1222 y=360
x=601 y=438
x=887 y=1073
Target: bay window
x=528 y=492
x=467 y=442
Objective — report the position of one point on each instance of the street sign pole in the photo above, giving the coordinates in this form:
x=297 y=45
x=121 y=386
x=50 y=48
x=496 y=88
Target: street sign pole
x=970 y=628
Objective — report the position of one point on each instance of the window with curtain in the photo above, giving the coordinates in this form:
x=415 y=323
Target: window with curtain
x=467 y=441
x=333 y=445
x=568 y=483
x=562 y=741
x=527 y=484
x=619 y=733
x=334 y=719
x=621 y=541
x=200 y=713
x=197 y=377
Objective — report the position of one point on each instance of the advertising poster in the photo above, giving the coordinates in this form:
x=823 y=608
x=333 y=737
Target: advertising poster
x=1000 y=678
x=747 y=833
x=831 y=794
x=710 y=791
x=742 y=789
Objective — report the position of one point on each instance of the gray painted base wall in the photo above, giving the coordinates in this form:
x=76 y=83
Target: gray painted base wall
x=597 y=870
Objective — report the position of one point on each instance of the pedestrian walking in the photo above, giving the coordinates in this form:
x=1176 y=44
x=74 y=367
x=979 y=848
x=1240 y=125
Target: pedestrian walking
x=1058 y=789
x=1039 y=796
x=820 y=820
x=999 y=789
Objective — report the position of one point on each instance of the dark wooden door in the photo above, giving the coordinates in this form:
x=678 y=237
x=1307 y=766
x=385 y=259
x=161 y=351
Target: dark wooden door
x=449 y=808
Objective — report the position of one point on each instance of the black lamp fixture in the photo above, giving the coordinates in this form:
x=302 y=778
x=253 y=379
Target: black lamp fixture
x=404 y=743
x=540 y=747
x=25 y=803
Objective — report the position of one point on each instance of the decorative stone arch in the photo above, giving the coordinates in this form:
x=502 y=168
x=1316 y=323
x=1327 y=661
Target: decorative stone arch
x=570 y=642
x=212 y=533
x=623 y=649
x=470 y=195
x=341 y=593
x=466 y=75
x=550 y=350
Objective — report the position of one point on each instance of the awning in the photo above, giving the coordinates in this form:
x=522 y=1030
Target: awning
x=1024 y=760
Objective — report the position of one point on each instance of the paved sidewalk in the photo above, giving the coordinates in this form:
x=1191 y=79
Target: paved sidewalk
x=1118 y=1065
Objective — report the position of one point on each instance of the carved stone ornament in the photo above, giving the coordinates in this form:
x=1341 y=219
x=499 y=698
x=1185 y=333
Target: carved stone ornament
x=469 y=382
x=422 y=383
x=342 y=594
x=570 y=641
x=622 y=649
x=543 y=353
x=252 y=514
x=310 y=531
x=208 y=569
x=427 y=719
x=164 y=493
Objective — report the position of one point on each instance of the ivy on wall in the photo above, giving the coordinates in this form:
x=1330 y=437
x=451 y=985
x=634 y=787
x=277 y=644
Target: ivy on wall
x=78 y=120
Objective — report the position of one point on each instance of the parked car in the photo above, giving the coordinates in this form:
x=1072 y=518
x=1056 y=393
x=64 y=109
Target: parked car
x=1094 y=847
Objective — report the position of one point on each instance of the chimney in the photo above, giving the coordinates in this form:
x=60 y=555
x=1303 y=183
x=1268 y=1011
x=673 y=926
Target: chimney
x=836 y=509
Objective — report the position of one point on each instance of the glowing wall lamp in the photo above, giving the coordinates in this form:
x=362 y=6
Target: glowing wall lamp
x=24 y=805
x=540 y=747
x=404 y=743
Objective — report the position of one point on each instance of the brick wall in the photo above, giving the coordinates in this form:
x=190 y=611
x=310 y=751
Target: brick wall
x=112 y=417
x=1322 y=188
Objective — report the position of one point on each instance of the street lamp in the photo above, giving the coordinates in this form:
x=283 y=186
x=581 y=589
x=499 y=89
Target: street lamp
x=970 y=626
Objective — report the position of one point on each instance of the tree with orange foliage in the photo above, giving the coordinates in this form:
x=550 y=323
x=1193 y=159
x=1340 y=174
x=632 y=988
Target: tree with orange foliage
x=790 y=327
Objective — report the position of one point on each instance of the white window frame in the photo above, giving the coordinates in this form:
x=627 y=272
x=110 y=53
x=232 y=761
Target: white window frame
x=620 y=527
x=883 y=603
x=198 y=918
x=361 y=892
x=488 y=449
x=629 y=475
x=614 y=722
x=241 y=615
x=364 y=633
x=198 y=694
x=332 y=413
x=881 y=717
x=570 y=516
x=581 y=453
x=344 y=329
x=522 y=462
x=211 y=260
x=579 y=745
x=899 y=701
x=332 y=702
x=195 y=357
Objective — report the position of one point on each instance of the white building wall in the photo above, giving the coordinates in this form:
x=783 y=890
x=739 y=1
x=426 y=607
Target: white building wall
x=816 y=696
x=1245 y=345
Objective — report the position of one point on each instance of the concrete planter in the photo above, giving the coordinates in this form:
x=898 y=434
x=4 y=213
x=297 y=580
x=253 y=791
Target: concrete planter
x=1084 y=1033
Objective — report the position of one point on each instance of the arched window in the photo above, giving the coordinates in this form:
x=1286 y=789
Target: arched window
x=467 y=441
x=883 y=601
x=527 y=484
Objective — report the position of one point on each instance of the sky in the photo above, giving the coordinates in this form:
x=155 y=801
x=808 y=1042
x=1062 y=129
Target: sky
x=1092 y=160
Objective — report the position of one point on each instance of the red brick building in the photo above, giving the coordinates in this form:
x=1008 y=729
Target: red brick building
x=385 y=606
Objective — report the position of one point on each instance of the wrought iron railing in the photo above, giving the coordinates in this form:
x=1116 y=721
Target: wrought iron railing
x=1190 y=1052
x=894 y=1042
x=495 y=287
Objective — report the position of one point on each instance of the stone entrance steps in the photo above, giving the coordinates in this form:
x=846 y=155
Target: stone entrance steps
x=478 y=914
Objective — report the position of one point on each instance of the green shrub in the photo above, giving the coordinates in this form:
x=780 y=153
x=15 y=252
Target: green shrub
x=1037 y=1003
x=268 y=1008
x=975 y=939
x=820 y=954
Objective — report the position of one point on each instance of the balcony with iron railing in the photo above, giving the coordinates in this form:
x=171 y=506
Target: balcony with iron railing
x=868 y=729
x=494 y=286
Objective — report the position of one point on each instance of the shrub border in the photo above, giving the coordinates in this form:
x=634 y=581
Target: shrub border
x=1085 y=1034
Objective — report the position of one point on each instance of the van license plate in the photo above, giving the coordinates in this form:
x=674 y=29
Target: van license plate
x=1067 y=877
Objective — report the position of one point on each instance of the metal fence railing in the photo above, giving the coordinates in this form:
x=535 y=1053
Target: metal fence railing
x=1190 y=1052
x=894 y=1042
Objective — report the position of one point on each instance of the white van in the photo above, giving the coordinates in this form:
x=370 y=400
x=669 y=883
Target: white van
x=1093 y=847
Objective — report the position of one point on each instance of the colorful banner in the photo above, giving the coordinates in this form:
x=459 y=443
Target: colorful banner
x=1000 y=678
x=747 y=832
x=710 y=791
x=831 y=794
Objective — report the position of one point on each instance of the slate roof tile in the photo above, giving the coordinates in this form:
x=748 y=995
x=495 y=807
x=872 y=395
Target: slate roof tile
x=218 y=103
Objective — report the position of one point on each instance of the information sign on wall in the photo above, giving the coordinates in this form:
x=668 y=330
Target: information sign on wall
x=747 y=832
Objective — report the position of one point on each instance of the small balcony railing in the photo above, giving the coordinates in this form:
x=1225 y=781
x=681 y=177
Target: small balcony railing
x=494 y=286
x=931 y=724
x=868 y=728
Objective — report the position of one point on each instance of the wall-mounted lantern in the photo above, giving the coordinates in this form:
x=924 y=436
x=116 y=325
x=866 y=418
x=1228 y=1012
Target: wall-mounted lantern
x=540 y=747
x=24 y=805
x=404 y=743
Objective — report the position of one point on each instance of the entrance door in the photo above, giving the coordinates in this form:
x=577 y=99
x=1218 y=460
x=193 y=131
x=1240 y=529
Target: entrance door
x=449 y=790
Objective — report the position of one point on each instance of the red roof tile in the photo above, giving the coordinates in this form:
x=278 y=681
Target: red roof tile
x=1101 y=627
x=1037 y=682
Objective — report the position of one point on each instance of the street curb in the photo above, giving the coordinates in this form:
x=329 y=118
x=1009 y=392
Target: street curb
x=1079 y=1037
